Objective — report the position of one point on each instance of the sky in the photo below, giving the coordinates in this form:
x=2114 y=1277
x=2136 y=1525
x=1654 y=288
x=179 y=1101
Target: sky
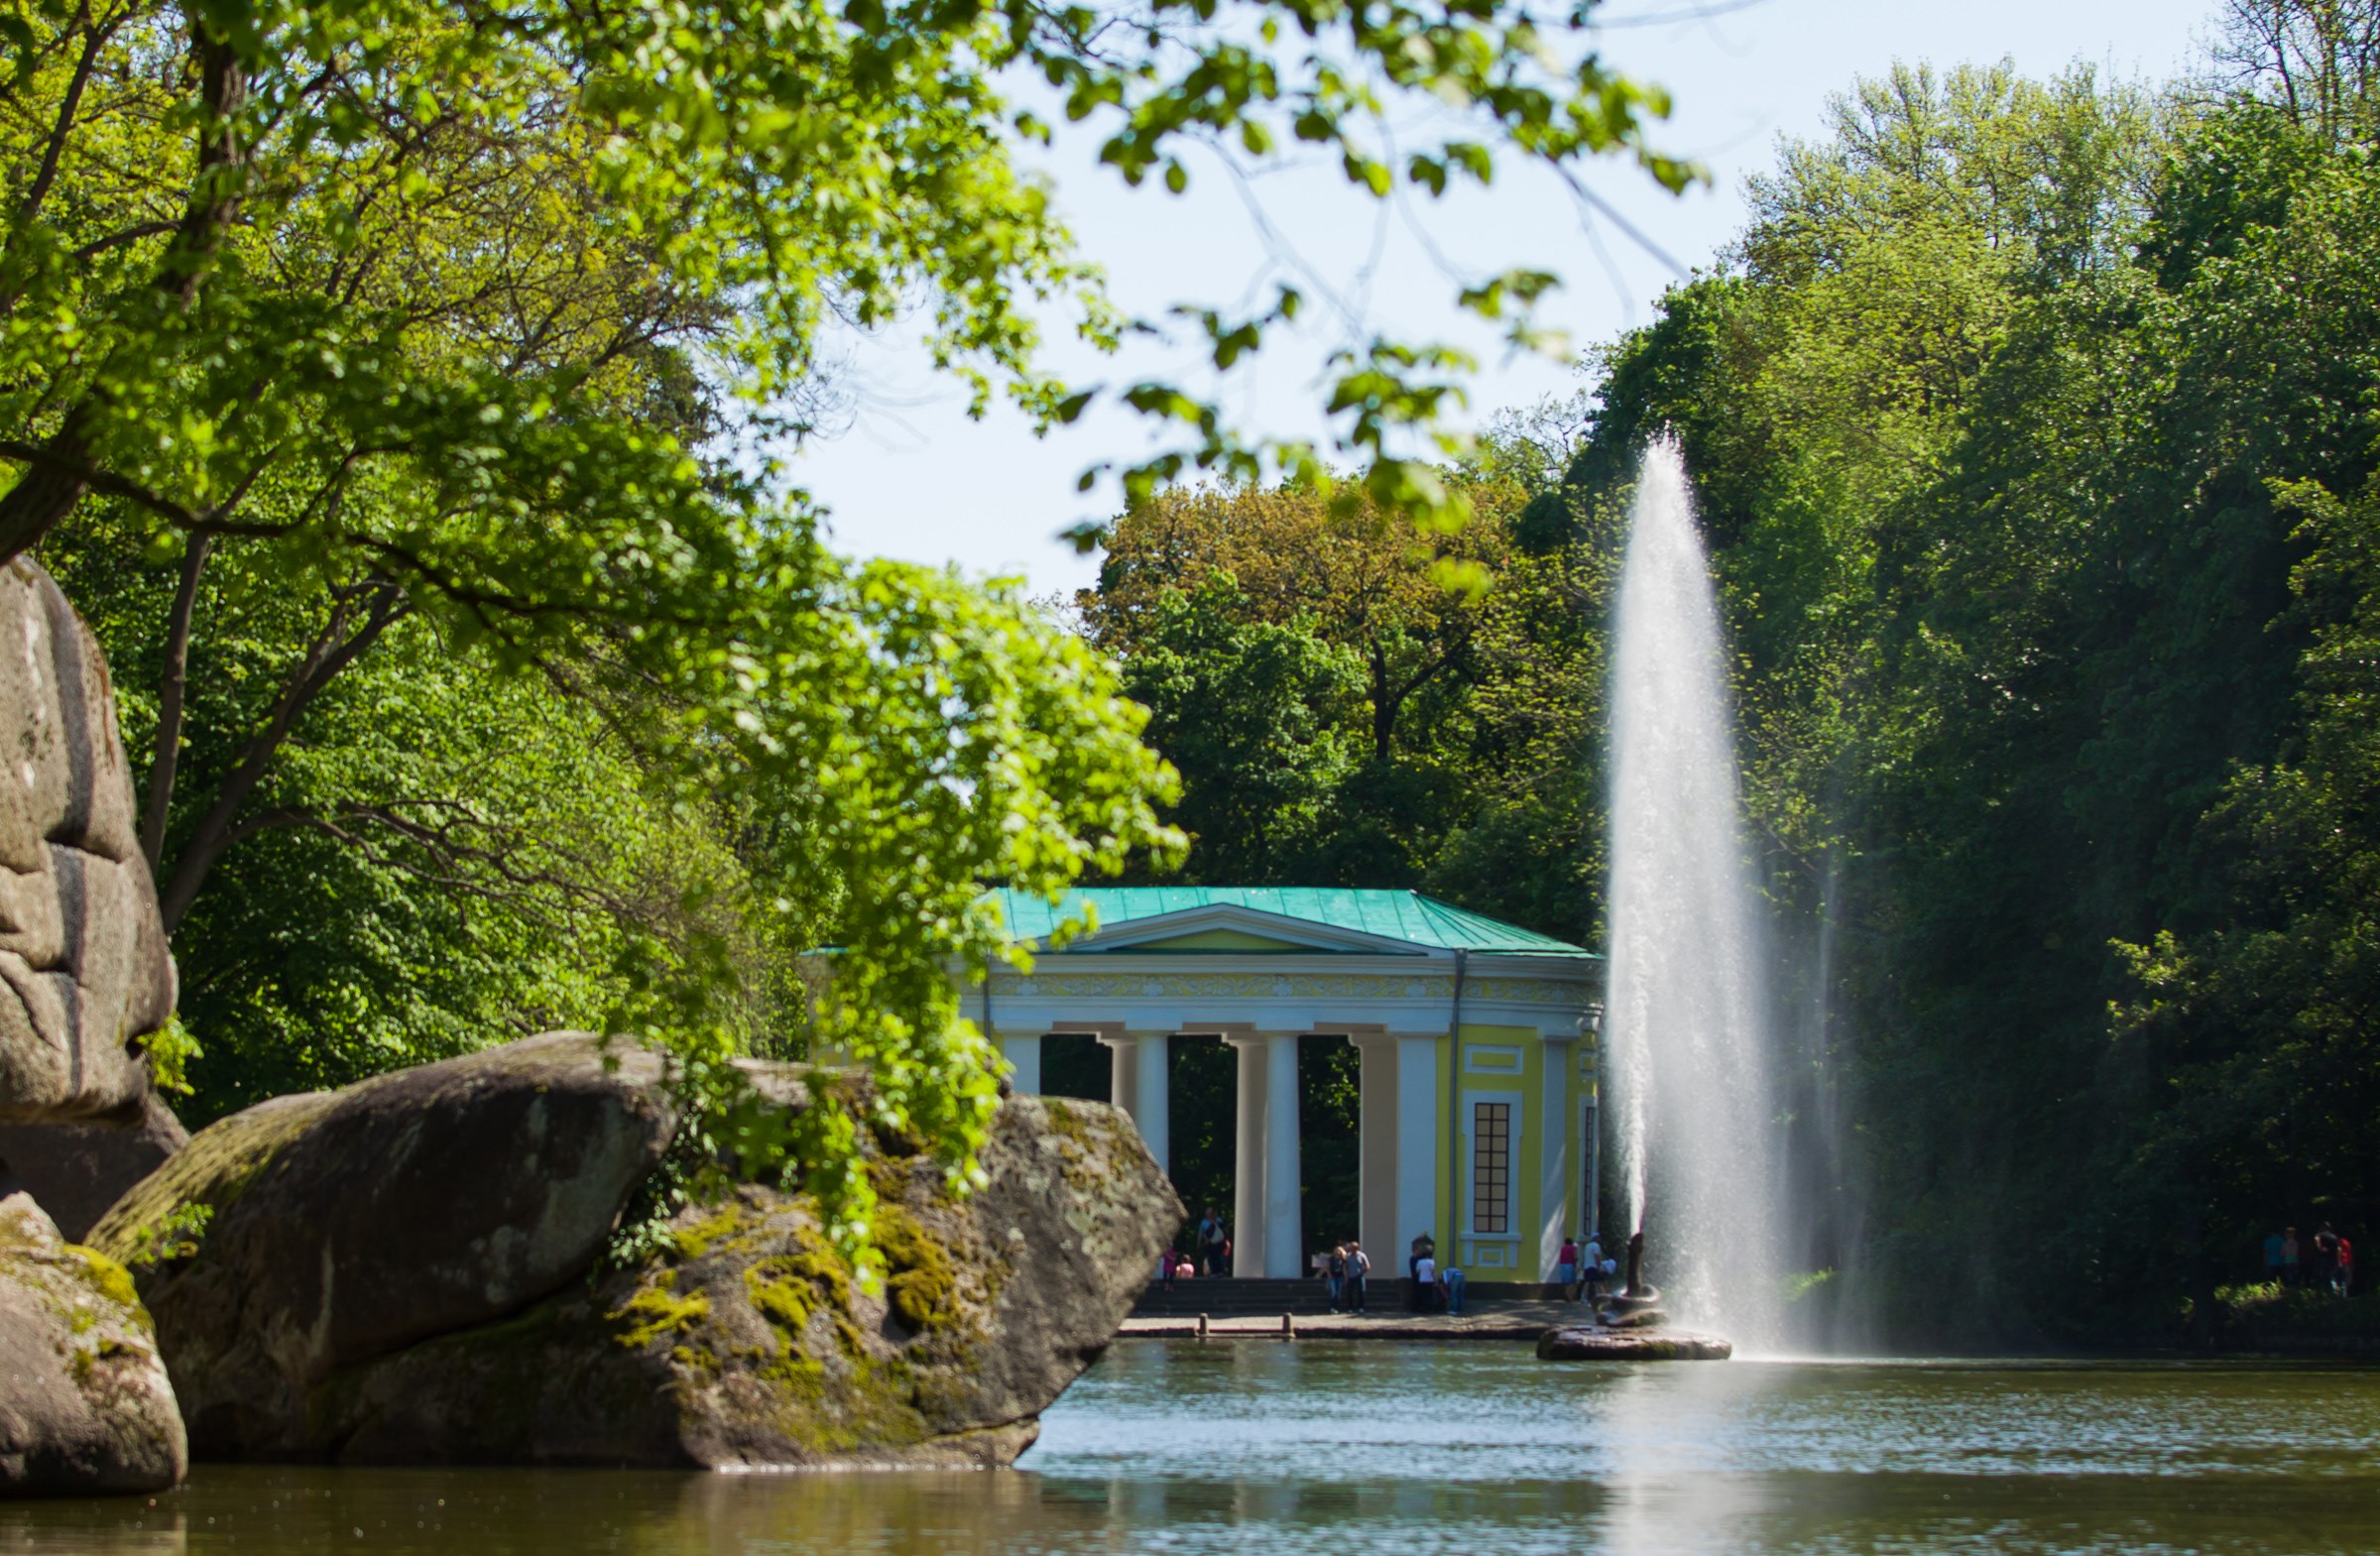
x=907 y=474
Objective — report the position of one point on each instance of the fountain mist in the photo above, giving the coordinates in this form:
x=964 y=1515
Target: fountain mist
x=1687 y=1014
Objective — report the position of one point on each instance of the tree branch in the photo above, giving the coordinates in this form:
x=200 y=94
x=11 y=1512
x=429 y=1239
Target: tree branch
x=334 y=649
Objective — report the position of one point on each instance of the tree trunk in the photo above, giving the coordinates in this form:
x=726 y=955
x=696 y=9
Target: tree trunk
x=333 y=651
x=168 y=702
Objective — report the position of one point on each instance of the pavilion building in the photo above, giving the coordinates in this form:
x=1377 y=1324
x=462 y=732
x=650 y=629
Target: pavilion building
x=1478 y=1043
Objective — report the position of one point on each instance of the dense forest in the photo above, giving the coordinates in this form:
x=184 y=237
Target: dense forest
x=2033 y=428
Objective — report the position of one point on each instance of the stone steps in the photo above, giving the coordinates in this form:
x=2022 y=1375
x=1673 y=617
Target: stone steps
x=1237 y=1298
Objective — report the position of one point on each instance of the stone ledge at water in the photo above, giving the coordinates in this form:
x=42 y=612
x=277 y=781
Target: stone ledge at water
x=85 y=1406
x=1589 y=1343
x=400 y=1273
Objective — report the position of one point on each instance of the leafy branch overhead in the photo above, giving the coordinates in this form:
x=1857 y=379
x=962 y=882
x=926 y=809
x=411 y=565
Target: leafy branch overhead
x=413 y=330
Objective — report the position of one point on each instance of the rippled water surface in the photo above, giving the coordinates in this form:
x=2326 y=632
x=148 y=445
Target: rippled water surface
x=1478 y=1449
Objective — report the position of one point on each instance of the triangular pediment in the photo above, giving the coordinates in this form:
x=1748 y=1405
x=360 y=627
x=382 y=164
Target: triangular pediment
x=1228 y=928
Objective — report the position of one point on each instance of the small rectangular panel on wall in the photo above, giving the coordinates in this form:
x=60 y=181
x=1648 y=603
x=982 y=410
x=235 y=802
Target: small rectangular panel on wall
x=1487 y=1058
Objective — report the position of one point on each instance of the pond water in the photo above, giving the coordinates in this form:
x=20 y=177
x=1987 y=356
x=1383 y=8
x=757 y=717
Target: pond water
x=1172 y=1447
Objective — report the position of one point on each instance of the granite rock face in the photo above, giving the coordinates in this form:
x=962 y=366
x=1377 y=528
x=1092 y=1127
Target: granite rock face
x=84 y=973
x=84 y=1405
x=75 y=1168
x=317 y=1231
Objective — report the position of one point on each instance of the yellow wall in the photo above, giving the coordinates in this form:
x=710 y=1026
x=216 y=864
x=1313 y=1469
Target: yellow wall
x=1475 y=1075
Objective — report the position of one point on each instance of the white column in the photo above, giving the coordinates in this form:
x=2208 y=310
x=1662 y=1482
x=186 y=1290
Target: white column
x=1553 y=1154
x=1248 y=1161
x=1375 y=1147
x=1025 y=1063
x=1153 y=1095
x=1122 y=1055
x=1417 y=1151
x=1285 y=1222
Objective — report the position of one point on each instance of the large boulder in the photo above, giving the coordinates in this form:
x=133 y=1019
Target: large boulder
x=84 y=974
x=317 y=1231
x=346 y=1278
x=75 y=1168
x=85 y=1406
x=750 y=1343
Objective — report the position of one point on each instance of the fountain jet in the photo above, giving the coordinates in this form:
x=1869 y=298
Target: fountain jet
x=1687 y=1014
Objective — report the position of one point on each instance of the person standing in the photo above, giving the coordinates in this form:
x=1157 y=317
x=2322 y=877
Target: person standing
x=2272 y=1258
x=1566 y=1266
x=2342 y=1278
x=1212 y=1243
x=1425 y=1283
x=1359 y=1266
x=1334 y=1274
x=2325 y=1258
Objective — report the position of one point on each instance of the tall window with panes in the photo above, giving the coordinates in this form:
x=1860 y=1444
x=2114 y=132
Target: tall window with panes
x=1490 y=1167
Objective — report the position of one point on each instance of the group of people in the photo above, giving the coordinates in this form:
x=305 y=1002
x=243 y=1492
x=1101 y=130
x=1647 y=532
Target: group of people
x=1345 y=1275
x=2325 y=1264
x=1583 y=1272
x=1214 y=1246
x=1432 y=1288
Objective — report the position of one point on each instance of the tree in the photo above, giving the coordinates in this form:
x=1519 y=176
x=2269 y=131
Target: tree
x=1251 y=714
x=1448 y=745
x=430 y=304
x=1401 y=599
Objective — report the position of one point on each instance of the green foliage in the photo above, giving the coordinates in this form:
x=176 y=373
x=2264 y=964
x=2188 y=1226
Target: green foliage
x=175 y=1234
x=1989 y=420
x=2034 y=431
x=1254 y=715
x=400 y=385
x=1354 y=701
x=172 y=1052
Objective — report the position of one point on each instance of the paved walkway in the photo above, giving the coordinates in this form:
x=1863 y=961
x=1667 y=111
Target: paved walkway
x=1482 y=1321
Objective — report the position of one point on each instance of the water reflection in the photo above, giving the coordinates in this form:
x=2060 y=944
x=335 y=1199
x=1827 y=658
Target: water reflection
x=1340 y=1449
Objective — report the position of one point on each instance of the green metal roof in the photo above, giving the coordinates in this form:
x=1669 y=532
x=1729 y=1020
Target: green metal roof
x=1395 y=916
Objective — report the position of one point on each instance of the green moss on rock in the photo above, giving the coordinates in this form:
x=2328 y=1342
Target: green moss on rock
x=921 y=1286
x=173 y=1204
x=655 y=1309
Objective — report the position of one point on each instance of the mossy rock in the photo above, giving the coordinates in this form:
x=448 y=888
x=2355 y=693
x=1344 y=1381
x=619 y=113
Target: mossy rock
x=87 y=1408
x=751 y=1343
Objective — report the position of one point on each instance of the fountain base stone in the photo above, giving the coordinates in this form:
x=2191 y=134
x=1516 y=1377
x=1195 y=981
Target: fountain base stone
x=1592 y=1343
